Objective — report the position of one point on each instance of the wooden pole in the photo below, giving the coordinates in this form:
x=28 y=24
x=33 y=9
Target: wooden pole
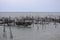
x=4 y=32
x=11 y=36
x=55 y=22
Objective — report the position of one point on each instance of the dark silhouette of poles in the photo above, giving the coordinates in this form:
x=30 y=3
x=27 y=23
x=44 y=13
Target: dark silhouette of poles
x=55 y=22
x=33 y=20
x=9 y=24
x=43 y=23
x=4 y=31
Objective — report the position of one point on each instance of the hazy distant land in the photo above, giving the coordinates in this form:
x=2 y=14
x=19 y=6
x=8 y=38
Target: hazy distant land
x=14 y=14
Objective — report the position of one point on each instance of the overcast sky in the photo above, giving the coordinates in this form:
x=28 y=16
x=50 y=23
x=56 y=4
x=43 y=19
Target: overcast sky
x=29 y=5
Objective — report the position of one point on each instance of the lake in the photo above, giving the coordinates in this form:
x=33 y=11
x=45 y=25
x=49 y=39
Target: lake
x=36 y=32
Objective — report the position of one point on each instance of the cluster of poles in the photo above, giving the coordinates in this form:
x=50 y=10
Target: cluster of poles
x=26 y=21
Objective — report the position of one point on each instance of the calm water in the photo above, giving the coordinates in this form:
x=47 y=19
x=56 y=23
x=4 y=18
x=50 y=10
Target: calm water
x=49 y=32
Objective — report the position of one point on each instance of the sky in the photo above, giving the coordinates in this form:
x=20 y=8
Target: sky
x=29 y=5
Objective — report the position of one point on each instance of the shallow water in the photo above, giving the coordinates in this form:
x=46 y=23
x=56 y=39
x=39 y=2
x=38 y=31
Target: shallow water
x=48 y=32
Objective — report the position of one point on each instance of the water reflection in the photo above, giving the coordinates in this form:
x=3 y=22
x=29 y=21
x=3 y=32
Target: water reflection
x=32 y=33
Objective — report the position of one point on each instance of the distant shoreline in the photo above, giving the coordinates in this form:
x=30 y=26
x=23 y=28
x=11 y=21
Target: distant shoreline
x=14 y=14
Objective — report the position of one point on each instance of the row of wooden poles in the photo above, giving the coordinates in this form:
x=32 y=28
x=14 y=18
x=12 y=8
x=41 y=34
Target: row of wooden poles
x=4 y=32
x=4 y=29
x=37 y=20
